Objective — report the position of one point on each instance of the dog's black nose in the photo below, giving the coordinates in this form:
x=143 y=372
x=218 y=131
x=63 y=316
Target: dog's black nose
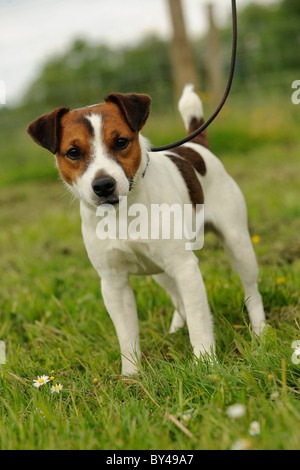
x=104 y=186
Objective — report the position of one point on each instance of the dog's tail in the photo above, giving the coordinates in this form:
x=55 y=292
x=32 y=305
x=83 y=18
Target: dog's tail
x=191 y=110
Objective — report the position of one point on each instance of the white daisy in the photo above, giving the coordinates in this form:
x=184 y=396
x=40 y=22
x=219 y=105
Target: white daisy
x=56 y=388
x=297 y=350
x=186 y=417
x=241 y=444
x=41 y=381
x=254 y=428
x=236 y=411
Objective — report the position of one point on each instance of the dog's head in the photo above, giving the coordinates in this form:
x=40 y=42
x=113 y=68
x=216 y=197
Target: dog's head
x=97 y=148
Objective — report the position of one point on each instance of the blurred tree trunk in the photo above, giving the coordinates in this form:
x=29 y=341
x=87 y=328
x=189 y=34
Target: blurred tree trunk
x=214 y=58
x=183 y=65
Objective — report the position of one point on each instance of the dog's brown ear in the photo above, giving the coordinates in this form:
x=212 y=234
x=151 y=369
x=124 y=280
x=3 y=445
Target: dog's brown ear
x=135 y=108
x=45 y=130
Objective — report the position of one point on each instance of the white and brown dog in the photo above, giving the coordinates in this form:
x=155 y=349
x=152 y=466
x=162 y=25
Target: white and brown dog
x=103 y=158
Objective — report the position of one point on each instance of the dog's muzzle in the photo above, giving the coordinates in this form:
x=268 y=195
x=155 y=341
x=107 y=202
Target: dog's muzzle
x=104 y=187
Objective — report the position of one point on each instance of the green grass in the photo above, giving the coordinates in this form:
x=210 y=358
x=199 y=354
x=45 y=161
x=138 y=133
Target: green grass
x=52 y=315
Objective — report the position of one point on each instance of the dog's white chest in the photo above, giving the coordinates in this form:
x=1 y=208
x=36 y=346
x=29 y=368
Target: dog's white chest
x=133 y=257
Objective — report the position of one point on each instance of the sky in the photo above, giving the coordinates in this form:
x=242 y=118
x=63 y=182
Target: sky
x=31 y=31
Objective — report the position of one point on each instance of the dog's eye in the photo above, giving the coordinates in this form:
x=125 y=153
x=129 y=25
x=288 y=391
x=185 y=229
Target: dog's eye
x=73 y=153
x=121 y=143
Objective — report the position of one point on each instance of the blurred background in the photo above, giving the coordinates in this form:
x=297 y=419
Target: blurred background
x=73 y=53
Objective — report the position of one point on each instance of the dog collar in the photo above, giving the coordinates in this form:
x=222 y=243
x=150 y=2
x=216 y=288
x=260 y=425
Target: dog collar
x=143 y=174
x=148 y=160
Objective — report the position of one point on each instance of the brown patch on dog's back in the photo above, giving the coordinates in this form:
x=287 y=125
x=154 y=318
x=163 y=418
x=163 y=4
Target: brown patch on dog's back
x=192 y=183
x=193 y=157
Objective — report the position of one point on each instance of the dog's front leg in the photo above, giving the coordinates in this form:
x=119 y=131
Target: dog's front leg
x=192 y=291
x=120 y=303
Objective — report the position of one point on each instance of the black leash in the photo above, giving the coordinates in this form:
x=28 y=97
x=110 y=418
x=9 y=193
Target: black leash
x=226 y=93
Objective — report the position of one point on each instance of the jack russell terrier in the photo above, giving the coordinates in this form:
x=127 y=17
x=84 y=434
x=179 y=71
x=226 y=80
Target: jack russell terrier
x=103 y=159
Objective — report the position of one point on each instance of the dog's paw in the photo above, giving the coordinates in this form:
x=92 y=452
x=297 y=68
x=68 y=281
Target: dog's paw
x=129 y=366
x=205 y=353
x=258 y=329
x=129 y=371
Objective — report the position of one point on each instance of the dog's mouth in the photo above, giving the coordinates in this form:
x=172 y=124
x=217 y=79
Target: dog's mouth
x=109 y=202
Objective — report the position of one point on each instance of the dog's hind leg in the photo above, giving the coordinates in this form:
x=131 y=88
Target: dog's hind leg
x=169 y=284
x=231 y=224
x=241 y=253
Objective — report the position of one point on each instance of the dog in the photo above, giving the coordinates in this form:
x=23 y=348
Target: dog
x=103 y=158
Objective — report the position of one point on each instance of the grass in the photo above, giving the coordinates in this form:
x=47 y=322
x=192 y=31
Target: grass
x=52 y=315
